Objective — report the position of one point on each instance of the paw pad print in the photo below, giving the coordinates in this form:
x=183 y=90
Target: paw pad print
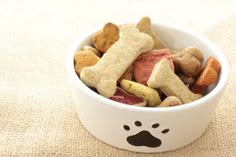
x=144 y=137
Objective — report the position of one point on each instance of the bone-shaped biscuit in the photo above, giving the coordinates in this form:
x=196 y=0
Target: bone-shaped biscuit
x=104 y=75
x=164 y=78
x=144 y=25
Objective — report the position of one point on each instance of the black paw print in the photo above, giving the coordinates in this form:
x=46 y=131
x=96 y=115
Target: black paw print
x=144 y=137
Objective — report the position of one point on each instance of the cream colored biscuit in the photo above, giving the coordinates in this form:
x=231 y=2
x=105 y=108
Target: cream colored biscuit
x=144 y=25
x=104 y=75
x=170 y=84
x=170 y=101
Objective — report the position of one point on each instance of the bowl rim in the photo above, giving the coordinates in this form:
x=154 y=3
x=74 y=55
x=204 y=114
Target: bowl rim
x=86 y=90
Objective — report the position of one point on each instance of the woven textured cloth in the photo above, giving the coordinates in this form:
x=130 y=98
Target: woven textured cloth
x=37 y=112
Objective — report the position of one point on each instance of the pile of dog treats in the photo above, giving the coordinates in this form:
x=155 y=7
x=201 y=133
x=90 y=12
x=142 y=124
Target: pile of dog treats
x=130 y=64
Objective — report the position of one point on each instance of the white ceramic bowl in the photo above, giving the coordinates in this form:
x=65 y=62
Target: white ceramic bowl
x=144 y=129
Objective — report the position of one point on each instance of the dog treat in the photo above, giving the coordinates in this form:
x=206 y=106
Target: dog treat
x=170 y=101
x=145 y=63
x=173 y=52
x=128 y=75
x=144 y=25
x=188 y=61
x=90 y=48
x=104 y=75
x=142 y=91
x=126 y=98
x=104 y=39
x=164 y=78
x=210 y=72
x=208 y=76
x=186 y=79
x=130 y=64
x=84 y=59
x=198 y=89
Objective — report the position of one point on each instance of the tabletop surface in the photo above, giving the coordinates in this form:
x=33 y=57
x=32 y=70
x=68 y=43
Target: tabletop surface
x=37 y=112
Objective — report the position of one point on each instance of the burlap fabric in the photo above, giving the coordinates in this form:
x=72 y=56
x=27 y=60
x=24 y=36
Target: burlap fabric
x=37 y=112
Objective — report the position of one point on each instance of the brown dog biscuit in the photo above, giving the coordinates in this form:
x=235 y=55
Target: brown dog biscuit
x=186 y=79
x=90 y=48
x=84 y=59
x=104 y=39
x=188 y=61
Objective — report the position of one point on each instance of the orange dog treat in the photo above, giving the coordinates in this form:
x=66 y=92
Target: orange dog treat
x=210 y=72
x=208 y=76
x=107 y=37
x=198 y=89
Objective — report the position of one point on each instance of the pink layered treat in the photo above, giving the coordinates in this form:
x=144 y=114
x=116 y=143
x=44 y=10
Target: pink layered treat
x=145 y=63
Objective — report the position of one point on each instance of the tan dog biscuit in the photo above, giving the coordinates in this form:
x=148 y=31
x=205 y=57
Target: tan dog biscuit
x=170 y=84
x=144 y=25
x=84 y=59
x=104 y=75
x=104 y=39
x=142 y=91
x=170 y=101
x=188 y=61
